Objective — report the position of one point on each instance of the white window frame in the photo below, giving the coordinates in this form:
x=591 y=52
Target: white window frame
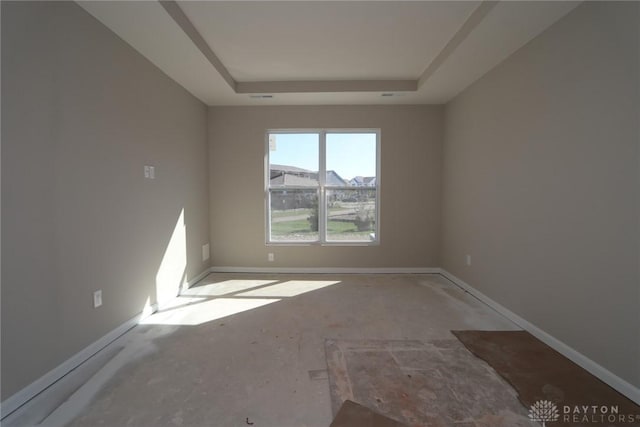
x=322 y=189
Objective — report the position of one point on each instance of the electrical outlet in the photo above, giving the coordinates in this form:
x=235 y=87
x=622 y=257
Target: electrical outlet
x=468 y=260
x=205 y=252
x=150 y=172
x=97 y=298
x=271 y=257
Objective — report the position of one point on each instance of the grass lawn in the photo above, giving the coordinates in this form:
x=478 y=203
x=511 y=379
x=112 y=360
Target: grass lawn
x=299 y=226
x=338 y=227
x=290 y=212
x=304 y=211
x=302 y=227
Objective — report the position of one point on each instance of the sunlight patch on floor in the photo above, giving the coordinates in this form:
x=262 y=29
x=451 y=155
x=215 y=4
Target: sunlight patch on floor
x=206 y=303
x=225 y=287
x=289 y=289
x=180 y=302
x=203 y=312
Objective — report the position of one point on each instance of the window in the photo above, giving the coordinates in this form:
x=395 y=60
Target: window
x=323 y=187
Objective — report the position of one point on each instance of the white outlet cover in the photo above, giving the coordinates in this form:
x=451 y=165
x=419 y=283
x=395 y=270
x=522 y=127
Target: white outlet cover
x=206 y=252
x=271 y=257
x=97 y=298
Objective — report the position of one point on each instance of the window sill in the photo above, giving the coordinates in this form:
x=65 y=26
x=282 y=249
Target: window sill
x=346 y=244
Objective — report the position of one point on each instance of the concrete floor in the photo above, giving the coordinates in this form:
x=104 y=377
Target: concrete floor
x=250 y=348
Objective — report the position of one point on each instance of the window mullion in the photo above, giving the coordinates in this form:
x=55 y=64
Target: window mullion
x=322 y=175
x=268 y=207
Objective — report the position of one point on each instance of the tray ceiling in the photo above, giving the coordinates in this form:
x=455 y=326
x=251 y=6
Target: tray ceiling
x=326 y=52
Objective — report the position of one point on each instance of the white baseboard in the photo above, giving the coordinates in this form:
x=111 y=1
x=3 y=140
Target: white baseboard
x=29 y=392
x=327 y=270
x=20 y=398
x=198 y=278
x=608 y=377
x=13 y=402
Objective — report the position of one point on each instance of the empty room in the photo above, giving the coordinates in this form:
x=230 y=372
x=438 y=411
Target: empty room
x=320 y=213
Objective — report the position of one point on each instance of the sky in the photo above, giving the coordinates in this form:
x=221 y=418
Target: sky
x=349 y=154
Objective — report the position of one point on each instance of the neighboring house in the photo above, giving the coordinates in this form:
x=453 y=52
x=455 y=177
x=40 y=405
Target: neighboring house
x=356 y=181
x=288 y=180
x=334 y=179
x=363 y=181
x=278 y=170
x=283 y=176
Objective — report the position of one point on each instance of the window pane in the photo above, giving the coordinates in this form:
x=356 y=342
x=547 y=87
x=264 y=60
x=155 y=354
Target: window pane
x=351 y=159
x=351 y=214
x=293 y=159
x=294 y=215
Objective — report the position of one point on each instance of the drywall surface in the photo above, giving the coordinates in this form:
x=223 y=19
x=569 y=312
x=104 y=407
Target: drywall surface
x=410 y=185
x=540 y=184
x=82 y=113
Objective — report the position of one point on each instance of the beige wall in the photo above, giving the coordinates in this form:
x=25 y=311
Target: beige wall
x=410 y=192
x=82 y=112
x=541 y=184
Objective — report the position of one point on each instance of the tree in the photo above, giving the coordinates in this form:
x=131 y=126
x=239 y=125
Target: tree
x=364 y=219
x=313 y=217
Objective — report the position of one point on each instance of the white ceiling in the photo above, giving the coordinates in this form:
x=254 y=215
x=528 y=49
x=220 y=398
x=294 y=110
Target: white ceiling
x=326 y=52
x=326 y=41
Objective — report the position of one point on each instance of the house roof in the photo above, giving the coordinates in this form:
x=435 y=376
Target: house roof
x=366 y=180
x=291 y=179
x=287 y=180
x=287 y=168
x=333 y=178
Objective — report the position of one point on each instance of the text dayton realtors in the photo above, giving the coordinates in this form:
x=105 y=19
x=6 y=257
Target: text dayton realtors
x=596 y=414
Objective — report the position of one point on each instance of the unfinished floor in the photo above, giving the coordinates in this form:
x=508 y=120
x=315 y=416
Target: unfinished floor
x=250 y=348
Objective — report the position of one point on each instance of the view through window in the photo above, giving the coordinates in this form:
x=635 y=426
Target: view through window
x=322 y=186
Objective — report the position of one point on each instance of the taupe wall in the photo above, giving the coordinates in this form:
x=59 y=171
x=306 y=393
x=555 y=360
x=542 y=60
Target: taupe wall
x=82 y=112
x=411 y=138
x=541 y=184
